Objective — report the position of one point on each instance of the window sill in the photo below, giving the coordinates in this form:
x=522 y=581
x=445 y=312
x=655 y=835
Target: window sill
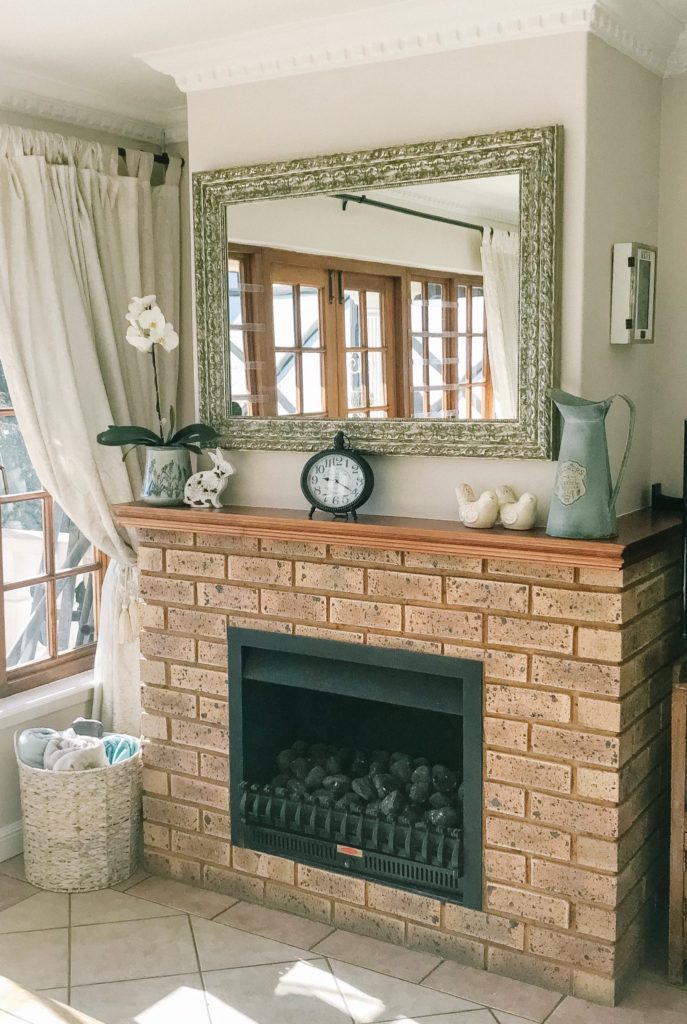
x=28 y=706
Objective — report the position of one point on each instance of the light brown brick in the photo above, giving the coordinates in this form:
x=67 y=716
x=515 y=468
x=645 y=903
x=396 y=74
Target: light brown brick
x=168 y=866
x=593 y=988
x=292 y=548
x=213 y=766
x=346 y=636
x=601 y=577
x=200 y=792
x=297 y=901
x=201 y=847
x=570 y=949
x=156 y=836
x=533 y=906
x=210 y=653
x=506 y=867
x=154 y=727
x=577 y=605
x=603 y=715
x=165 y=538
x=500 y=732
x=600 y=644
x=169 y=812
x=197 y=623
x=258 y=622
x=456 y=563
x=405 y=643
x=566 y=880
x=576 y=815
x=155 y=781
x=319 y=576
x=434 y=622
x=504 y=799
x=172 y=759
x=518 y=702
x=596 y=921
x=507 y=597
x=290 y=604
x=332 y=884
x=576 y=746
x=153 y=672
x=585 y=677
x=264 y=865
x=448 y=946
x=224 y=595
x=365 y=613
x=530 y=634
x=191 y=677
x=152 y=616
x=403 y=904
x=233 y=883
x=350 y=553
x=150 y=559
x=506 y=665
x=521 y=836
x=216 y=824
x=598 y=785
x=162 y=645
x=529 y=771
x=530 y=570
x=195 y=563
x=597 y=853
x=196 y=735
x=488 y=927
x=213 y=711
x=260 y=570
x=227 y=544
x=412 y=586
x=528 y=968
x=369 y=922
x=169 y=702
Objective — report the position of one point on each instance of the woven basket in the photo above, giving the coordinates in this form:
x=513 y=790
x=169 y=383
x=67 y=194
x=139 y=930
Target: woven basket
x=82 y=830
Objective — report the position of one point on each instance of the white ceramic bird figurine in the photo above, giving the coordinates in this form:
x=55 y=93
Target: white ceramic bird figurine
x=506 y=495
x=477 y=513
x=520 y=514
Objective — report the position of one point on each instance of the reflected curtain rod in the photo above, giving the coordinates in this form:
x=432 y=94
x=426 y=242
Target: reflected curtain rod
x=158 y=158
x=346 y=198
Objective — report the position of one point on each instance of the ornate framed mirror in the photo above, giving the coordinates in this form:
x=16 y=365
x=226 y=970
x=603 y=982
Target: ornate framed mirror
x=407 y=295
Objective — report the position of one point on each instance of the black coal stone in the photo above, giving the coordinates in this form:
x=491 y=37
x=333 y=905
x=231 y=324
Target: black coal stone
x=438 y=800
x=418 y=792
x=420 y=761
x=334 y=765
x=423 y=774
x=350 y=802
x=337 y=784
x=315 y=777
x=446 y=816
x=398 y=756
x=444 y=780
x=402 y=770
x=392 y=804
x=410 y=815
x=364 y=788
x=284 y=759
x=296 y=788
x=372 y=809
x=299 y=767
x=384 y=784
x=322 y=797
x=280 y=780
x=300 y=747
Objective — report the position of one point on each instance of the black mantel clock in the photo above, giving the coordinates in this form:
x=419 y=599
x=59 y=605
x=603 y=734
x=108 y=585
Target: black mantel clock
x=337 y=480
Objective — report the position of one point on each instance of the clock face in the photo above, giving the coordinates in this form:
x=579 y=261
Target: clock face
x=335 y=481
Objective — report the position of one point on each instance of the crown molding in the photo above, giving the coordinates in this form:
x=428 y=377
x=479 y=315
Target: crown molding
x=644 y=30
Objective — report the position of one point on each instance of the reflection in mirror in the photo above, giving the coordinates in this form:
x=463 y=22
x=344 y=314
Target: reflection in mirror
x=399 y=302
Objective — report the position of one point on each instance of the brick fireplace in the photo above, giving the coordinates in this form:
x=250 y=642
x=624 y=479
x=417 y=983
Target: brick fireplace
x=576 y=641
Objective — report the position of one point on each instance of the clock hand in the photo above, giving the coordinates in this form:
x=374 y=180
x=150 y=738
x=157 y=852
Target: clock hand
x=338 y=483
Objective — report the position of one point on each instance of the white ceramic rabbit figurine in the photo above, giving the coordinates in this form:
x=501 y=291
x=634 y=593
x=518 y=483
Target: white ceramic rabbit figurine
x=205 y=488
x=517 y=513
x=477 y=513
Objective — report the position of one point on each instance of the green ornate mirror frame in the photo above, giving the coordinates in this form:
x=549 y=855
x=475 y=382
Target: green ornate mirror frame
x=532 y=153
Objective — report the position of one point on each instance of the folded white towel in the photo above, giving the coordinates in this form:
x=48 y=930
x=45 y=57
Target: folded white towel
x=74 y=754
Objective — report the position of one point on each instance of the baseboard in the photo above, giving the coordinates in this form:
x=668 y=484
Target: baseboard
x=11 y=840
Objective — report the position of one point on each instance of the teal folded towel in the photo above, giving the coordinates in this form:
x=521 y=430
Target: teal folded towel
x=31 y=746
x=119 y=747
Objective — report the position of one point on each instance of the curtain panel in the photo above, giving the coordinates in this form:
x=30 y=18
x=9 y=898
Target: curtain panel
x=82 y=231
x=501 y=271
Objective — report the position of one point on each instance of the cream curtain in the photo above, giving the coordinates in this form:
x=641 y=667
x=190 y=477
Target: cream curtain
x=501 y=270
x=81 y=231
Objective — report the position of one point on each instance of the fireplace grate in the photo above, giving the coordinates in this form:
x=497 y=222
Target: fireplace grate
x=411 y=856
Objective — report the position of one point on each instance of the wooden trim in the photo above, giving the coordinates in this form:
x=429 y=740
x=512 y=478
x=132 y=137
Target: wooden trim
x=677 y=945
x=640 y=533
x=41 y=672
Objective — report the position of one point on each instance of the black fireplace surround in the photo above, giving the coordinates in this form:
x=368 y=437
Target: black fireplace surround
x=357 y=759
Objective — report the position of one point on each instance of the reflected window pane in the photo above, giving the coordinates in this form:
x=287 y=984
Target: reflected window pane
x=23 y=544
x=71 y=547
x=286 y=384
x=21 y=476
x=75 y=612
x=477 y=403
x=234 y=293
x=436 y=361
x=313 y=393
x=462 y=403
x=5 y=401
x=26 y=630
x=436 y=404
x=417 y=361
x=478 y=311
x=310 y=316
x=462 y=309
x=375 y=379
x=378 y=414
x=462 y=360
x=435 y=308
x=283 y=315
x=374 y=319
x=415 y=306
x=418 y=404
x=477 y=359
x=354 y=380
x=352 y=319
x=237 y=362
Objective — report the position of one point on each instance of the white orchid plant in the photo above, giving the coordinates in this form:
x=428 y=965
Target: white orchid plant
x=147 y=331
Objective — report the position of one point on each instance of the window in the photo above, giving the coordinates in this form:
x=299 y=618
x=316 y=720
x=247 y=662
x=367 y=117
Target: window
x=50 y=576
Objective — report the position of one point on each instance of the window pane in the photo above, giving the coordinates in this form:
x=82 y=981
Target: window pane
x=462 y=309
x=14 y=457
x=416 y=306
x=374 y=319
x=236 y=315
x=71 y=547
x=462 y=403
x=310 y=317
x=436 y=361
x=478 y=359
x=354 y=380
x=435 y=308
x=23 y=546
x=282 y=312
x=352 y=319
x=375 y=379
x=5 y=401
x=478 y=311
x=286 y=385
x=313 y=396
x=378 y=414
x=75 y=612
x=462 y=360
x=237 y=362
x=477 y=412
x=26 y=631
x=418 y=362
x=436 y=404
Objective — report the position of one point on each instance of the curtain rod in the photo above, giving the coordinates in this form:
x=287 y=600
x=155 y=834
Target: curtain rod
x=158 y=158
x=346 y=198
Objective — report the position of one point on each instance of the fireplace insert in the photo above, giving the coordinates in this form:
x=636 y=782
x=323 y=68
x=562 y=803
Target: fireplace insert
x=358 y=759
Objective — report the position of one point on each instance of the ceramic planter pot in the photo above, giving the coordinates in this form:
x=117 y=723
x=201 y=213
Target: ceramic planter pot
x=166 y=472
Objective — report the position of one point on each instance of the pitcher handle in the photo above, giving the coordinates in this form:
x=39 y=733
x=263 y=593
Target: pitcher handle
x=630 y=433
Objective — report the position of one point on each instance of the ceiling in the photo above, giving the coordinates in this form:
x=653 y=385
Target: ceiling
x=125 y=66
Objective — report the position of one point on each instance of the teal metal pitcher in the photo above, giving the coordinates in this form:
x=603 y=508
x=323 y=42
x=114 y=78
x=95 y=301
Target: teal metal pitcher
x=584 y=497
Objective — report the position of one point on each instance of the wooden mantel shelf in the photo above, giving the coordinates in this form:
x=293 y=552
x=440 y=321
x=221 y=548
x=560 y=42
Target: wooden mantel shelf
x=639 y=533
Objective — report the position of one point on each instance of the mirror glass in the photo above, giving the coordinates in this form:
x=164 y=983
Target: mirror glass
x=377 y=304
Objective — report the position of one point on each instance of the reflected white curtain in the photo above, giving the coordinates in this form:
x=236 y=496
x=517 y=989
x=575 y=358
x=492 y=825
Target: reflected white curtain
x=81 y=232
x=501 y=270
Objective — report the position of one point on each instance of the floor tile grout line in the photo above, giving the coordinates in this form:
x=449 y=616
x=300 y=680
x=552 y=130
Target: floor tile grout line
x=220 y=912
x=69 y=949
x=124 y=920
x=200 y=969
x=339 y=989
x=431 y=971
x=550 y=1015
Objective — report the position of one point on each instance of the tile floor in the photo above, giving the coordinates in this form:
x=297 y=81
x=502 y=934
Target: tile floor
x=151 y=951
